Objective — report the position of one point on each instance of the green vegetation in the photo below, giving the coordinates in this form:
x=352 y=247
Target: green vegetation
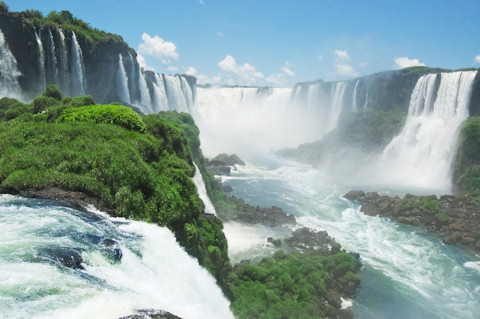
x=442 y=217
x=466 y=172
x=115 y=114
x=293 y=285
x=109 y=153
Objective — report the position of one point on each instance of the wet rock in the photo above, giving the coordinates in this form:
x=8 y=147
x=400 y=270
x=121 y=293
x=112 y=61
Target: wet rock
x=151 y=314
x=63 y=256
x=455 y=218
x=222 y=164
x=111 y=250
x=304 y=239
x=274 y=242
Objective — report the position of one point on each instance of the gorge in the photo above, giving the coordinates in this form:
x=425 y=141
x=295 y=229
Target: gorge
x=394 y=132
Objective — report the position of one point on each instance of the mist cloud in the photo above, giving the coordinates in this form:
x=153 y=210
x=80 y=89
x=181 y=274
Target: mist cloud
x=342 y=67
x=476 y=60
x=160 y=49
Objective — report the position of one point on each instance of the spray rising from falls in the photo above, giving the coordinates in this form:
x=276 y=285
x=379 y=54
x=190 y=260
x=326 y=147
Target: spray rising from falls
x=8 y=71
x=422 y=153
x=63 y=263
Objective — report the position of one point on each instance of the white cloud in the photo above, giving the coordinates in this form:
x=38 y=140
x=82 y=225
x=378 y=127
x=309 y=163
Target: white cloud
x=405 y=62
x=288 y=71
x=191 y=71
x=320 y=57
x=220 y=34
x=345 y=70
x=202 y=2
x=172 y=69
x=143 y=64
x=341 y=55
x=276 y=79
x=342 y=68
x=476 y=60
x=247 y=73
x=158 y=48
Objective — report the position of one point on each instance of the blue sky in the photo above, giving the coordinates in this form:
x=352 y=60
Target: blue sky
x=281 y=42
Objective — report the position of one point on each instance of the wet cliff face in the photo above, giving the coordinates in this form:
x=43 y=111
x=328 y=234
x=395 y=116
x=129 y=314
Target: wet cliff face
x=63 y=50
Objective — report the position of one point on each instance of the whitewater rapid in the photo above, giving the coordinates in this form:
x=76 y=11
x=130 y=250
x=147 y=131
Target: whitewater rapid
x=407 y=273
x=154 y=271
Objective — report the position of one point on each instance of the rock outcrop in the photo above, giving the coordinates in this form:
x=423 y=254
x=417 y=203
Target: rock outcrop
x=455 y=218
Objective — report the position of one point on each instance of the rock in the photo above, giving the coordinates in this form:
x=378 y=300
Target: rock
x=111 y=250
x=305 y=238
x=455 y=218
x=151 y=314
x=227 y=188
x=223 y=163
x=274 y=242
x=64 y=256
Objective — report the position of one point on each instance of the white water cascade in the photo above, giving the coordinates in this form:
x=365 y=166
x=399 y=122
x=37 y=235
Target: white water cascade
x=422 y=153
x=122 y=82
x=77 y=80
x=354 y=97
x=52 y=58
x=64 y=75
x=41 y=63
x=160 y=95
x=202 y=191
x=127 y=265
x=145 y=100
x=336 y=106
x=9 y=73
x=176 y=99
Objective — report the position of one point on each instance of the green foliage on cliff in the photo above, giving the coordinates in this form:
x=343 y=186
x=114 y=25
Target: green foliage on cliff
x=292 y=285
x=466 y=171
x=140 y=170
x=115 y=114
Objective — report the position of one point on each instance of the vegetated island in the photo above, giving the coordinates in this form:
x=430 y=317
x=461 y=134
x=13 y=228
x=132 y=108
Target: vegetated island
x=141 y=167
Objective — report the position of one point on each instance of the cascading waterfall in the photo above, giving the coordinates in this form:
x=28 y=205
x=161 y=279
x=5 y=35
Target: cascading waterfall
x=52 y=60
x=64 y=74
x=125 y=265
x=77 y=80
x=41 y=63
x=336 y=106
x=122 y=82
x=187 y=93
x=176 y=99
x=354 y=97
x=9 y=73
x=145 y=100
x=202 y=191
x=160 y=95
x=422 y=153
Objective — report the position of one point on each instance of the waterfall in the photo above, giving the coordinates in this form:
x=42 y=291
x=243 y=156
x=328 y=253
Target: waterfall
x=9 y=73
x=126 y=265
x=354 y=97
x=202 y=191
x=77 y=80
x=41 y=63
x=160 y=95
x=52 y=60
x=64 y=75
x=176 y=99
x=122 y=82
x=336 y=105
x=187 y=93
x=422 y=153
x=145 y=100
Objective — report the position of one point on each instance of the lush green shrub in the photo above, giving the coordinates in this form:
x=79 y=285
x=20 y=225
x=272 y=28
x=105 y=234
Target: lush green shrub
x=41 y=103
x=52 y=91
x=442 y=217
x=78 y=101
x=114 y=114
x=16 y=109
x=430 y=205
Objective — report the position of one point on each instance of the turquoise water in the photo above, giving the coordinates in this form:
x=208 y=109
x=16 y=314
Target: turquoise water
x=407 y=272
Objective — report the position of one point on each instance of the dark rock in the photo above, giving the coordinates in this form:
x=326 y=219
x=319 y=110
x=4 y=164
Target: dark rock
x=455 y=218
x=151 y=314
x=274 y=242
x=64 y=256
x=307 y=239
x=223 y=163
x=227 y=188
x=111 y=250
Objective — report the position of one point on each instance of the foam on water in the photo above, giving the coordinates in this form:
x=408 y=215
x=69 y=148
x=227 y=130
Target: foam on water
x=154 y=272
